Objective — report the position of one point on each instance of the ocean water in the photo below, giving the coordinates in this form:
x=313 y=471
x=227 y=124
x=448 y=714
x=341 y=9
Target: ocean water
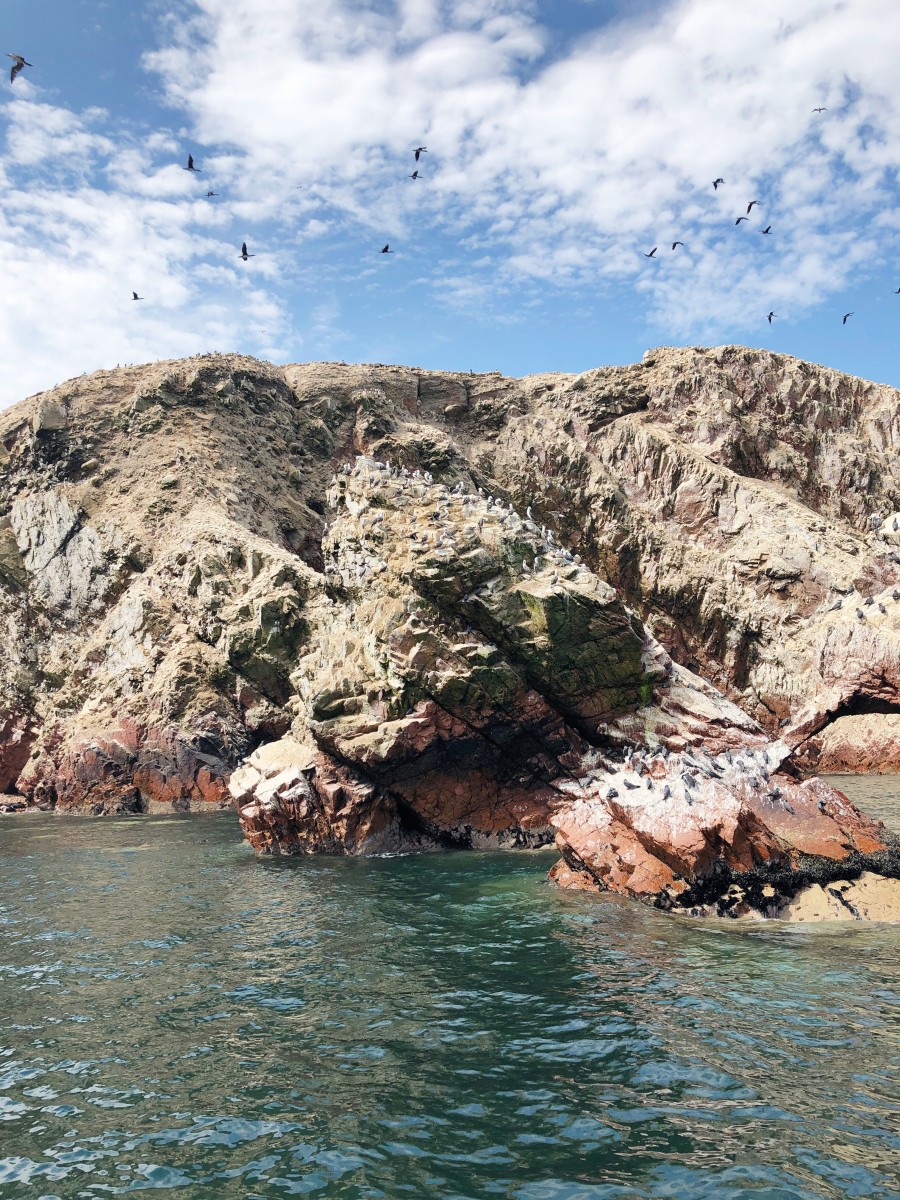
x=180 y=1018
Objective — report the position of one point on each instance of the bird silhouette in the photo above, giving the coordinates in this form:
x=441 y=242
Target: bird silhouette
x=190 y=166
x=415 y=175
x=652 y=252
x=208 y=194
x=135 y=296
x=244 y=254
x=674 y=244
x=768 y=229
x=18 y=63
x=820 y=110
x=716 y=183
x=420 y=150
x=738 y=221
x=386 y=248
x=897 y=293
x=750 y=205
x=846 y=318
x=771 y=316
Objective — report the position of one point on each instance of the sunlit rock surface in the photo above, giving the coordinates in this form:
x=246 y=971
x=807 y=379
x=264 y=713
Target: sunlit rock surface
x=676 y=577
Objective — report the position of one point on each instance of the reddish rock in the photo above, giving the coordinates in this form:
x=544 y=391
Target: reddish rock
x=17 y=735
x=131 y=768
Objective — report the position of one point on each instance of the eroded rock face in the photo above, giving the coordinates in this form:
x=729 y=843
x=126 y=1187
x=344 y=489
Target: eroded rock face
x=472 y=684
x=579 y=579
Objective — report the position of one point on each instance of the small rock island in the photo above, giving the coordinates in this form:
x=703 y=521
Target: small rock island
x=633 y=613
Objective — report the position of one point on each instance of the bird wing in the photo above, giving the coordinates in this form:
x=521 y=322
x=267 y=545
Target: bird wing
x=16 y=68
x=243 y=247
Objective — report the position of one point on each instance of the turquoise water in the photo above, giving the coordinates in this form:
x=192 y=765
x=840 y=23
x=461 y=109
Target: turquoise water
x=180 y=1018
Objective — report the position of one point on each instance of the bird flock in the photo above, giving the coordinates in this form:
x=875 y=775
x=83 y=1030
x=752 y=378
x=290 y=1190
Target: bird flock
x=20 y=62
x=764 y=231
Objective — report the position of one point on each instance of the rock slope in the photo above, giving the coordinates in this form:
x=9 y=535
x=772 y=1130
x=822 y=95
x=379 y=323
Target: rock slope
x=199 y=573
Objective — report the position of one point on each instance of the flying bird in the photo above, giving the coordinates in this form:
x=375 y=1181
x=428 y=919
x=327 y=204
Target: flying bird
x=208 y=194
x=244 y=254
x=768 y=229
x=18 y=63
x=738 y=221
x=190 y=166
x=716 y=183
x=386 y=248
x=415 y=175
x=770 y=317
x=420 y=150
x=135 y=296
x=846 y=318
x=674 y=244
x=897 y=293
x=652 y=252
x=750 y=205
x=820 y=110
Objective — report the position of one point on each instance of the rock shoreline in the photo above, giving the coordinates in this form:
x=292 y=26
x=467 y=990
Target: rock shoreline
x=625 y=612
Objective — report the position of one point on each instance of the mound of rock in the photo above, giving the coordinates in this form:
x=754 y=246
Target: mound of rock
x=376 y=607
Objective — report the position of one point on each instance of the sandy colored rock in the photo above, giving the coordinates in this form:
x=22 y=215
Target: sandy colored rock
x=868 y=898
x=468 y=607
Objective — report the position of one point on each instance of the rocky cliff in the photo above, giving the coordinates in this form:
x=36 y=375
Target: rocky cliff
x=626 y=610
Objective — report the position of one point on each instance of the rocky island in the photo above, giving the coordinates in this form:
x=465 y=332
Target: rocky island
x=632 y=613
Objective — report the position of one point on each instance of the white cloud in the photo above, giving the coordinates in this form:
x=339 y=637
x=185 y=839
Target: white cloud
x=571 y=168
x=539 y=170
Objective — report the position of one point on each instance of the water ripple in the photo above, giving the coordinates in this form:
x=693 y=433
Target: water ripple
x=444 y=1027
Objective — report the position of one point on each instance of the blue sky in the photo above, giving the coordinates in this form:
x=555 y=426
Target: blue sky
x=565 y=140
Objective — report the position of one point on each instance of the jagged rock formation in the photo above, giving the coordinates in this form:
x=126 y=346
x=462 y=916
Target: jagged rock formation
x=175 y=607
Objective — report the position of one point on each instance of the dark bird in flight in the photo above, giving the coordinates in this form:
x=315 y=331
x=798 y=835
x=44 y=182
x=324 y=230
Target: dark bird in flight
x=716 y=183
x=420 y=150
x=415 y=175
x=652 y=252
x=750 y=205
x=820 y=110
x=738 y=221
x=771 y=316
x=18 y=63
x=135 y=296
x=386 y=248
x=190 y=166
x=208 y=194
x=768 y=229
x=846 y=318
x=897 y=293
x=674 y=244
x=244 y=254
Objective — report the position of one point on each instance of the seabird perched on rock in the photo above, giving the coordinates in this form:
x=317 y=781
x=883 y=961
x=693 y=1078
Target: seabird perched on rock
x=881 y=607
x=611 y=794
x=895 y=595
x=868 y=601
x=837 y=604
x=632 y=786
x=667 y=792
x=860 y=614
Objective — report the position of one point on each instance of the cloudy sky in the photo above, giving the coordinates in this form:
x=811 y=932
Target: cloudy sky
x=565 y=139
